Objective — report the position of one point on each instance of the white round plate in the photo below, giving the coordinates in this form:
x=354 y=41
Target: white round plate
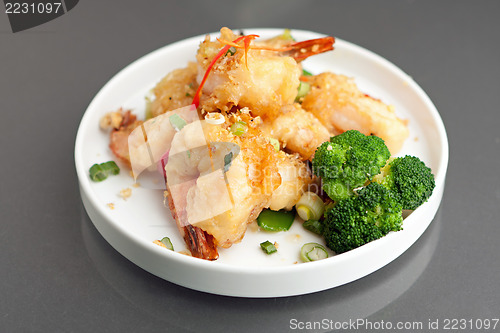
x=244 y=270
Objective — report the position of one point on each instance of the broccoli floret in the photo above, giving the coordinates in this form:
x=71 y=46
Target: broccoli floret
x=347 y=161
x=409 y=179
x=371 y=213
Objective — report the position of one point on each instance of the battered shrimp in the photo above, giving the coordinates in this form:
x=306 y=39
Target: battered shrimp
x=259 y=76
x=337 y=102
x=298 y=131
x=262 y=82
x=175 y=90
x=215 y=206
x=295 y=179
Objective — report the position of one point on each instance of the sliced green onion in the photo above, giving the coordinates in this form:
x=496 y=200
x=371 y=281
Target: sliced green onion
x=177 y=122
x=239 y=128
x=228 y=158
x=99 y=172
x=304 y=212
x=310 y=206
x=111 y=168
x=231 y=50
x=313 y=252
x=306 y=73
x=268 y=247
x=313 y=226
x=302 y=91
x=271 y=220
x=166 y=241
x=287 y=35
x=275 y=143
x=214 y=118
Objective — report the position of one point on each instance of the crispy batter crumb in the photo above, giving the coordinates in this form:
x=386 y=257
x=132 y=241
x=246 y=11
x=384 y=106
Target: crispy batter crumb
x=416 y=139
x=126 y=193
x=157 y=242
x=276 y=245
x=255 y=122
x=136 y=184
x=111 y=120
x=111 y=205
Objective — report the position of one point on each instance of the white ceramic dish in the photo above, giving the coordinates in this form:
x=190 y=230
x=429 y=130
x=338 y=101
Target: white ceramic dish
x=243 y=270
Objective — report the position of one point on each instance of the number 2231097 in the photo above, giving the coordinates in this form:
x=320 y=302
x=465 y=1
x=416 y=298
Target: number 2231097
x=33 y=8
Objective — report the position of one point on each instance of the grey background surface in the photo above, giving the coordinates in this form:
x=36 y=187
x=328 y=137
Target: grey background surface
x=57 y=274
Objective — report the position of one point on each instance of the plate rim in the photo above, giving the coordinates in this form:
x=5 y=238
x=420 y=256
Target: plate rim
x=97 y=210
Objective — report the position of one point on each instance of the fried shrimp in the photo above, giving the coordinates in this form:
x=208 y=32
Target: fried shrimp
x=262 y=77
x=295 y=180
x=219 y=204
x=338 y=103
x=261 y=82
x=298 y=131
x=175 y=90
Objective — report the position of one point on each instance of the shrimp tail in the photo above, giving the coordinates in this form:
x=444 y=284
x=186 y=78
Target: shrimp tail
x=302 y=50
x=200 y=243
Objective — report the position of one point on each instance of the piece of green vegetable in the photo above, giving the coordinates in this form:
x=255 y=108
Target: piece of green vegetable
x=306 y=73
x=231 y=50
x=348 y=161
x=313 y=252
x=275 y=143
x=268 y=247
x=99 y=172
x=314 y=226
x=310 y=206
x=287 y=35
x=166 y=241
x=239 y=128
x=370 y=214
x=177 y=122
x=271 y=220
x=302 y=91
x=228 y=158
x=111 y=168
x=409 y=179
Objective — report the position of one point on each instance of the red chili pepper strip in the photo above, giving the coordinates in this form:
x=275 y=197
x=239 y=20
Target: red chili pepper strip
x=247 y=42
x=247 y=39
